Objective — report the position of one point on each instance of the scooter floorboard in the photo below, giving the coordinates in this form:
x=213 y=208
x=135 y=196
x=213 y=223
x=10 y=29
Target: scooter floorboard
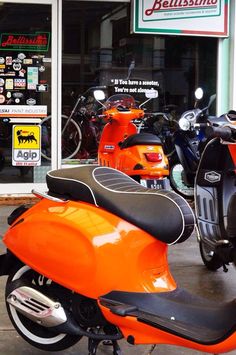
x=177 y=312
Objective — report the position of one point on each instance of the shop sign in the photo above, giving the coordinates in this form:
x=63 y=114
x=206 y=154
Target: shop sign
x=23 y=111
x=39 y=41
x=181 y=17
x=26 y=145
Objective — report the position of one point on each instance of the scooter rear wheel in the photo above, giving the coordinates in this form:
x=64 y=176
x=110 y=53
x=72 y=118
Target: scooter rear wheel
x=35 y=334
x=211 y=260
x=177 y=182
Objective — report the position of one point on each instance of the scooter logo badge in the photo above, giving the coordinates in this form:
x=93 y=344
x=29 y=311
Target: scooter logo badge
x=212 y=176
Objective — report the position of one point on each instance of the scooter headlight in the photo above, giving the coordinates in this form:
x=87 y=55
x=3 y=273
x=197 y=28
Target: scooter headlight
x=184 y=124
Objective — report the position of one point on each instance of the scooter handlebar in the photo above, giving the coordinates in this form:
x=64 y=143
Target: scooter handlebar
x=225 y=133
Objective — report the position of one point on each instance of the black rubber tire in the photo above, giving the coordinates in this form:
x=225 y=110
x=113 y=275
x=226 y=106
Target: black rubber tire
x=183 y=190
x=211 y=260
x=36 y=335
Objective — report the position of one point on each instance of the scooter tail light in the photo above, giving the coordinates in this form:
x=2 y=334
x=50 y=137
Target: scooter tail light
x=154 y=157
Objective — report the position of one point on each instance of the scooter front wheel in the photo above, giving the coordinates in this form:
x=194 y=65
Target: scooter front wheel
x=211 y=260
x=177 y=182
x=35 y=334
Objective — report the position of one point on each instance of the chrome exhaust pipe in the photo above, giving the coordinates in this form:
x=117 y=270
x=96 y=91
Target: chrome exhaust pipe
x=50 y=314
x=37 y=307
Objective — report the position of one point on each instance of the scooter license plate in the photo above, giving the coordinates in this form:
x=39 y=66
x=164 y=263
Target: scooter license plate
x=156 y=184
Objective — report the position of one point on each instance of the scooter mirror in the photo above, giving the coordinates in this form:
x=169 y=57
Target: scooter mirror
x=198 y=93
x=151 y=94
x=184 y=124
x=99 y=95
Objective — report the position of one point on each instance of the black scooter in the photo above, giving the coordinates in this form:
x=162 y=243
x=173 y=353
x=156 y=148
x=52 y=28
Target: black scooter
x=188 y=140
x=215 y=194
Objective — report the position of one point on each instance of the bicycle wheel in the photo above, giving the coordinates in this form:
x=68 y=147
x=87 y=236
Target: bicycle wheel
x=70 y=140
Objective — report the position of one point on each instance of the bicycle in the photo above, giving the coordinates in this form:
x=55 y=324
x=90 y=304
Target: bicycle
x=79 y=130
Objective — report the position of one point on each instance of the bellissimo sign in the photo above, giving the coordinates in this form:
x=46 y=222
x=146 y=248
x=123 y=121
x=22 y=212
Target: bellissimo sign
x=27 y=42
x=182 y=17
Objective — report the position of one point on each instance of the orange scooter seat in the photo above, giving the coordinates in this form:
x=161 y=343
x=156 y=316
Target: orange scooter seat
x=140 y=139
x=162 y=213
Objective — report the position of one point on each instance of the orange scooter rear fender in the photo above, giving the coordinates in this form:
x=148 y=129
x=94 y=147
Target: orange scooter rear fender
x=144 y=334
x=131 y=157
x=89 y=250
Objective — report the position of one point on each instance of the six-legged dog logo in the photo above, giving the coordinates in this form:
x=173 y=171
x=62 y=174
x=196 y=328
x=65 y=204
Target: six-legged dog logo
x=28 y=138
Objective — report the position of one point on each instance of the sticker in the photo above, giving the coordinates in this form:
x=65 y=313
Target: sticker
x=2 y=99
x=20 y=83
x=2 y=82
x=8 y=60
x=9 y=84
x=25 y=111
x=26 y=145
x=47 y=60
x=18 y=95
x=21 y=56
x=2 y=60
x=17 y=101
x=8 y=95
x=31 y=101
x=2 y=66
x=42 y=88
x=32 y=76
x=28 y=61
x=17 y=60
x=31 y=86
x=17 y=66
x=39 y=56
x=9 y=73
x=42 y=68
x=22 y=73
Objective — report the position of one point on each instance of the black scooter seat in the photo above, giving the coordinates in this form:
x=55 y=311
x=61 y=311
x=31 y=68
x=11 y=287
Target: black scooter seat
x=178 y=312
x=140 y=139
x=162 y=213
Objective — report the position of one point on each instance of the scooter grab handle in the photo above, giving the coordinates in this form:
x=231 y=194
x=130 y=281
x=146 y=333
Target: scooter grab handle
x=224 y=133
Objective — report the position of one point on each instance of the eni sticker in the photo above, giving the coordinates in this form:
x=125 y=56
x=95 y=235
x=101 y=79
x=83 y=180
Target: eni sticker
x=26 y=147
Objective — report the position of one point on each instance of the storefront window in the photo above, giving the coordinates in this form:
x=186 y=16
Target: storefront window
x=98 y=49
x=25 y=94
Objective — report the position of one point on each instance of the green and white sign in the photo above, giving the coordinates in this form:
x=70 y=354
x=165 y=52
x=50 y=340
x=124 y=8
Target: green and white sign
x=181 y=17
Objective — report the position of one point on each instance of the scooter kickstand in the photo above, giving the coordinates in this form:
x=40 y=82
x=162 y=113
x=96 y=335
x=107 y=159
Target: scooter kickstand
x=114 y=343
x=92 y=346
x=116 y=348
x=150 y=350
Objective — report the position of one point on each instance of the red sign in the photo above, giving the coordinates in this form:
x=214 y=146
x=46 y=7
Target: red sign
x=27 y=42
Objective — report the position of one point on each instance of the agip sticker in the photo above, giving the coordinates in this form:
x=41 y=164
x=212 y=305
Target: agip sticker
x=26 y=148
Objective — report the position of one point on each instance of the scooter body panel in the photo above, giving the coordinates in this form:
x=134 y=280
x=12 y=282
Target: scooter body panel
x=215 y=184
x=113 y=134
x=129 y=159
x=89 y=250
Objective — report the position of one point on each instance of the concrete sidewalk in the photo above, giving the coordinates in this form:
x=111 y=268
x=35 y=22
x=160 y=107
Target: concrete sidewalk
x=188 y=270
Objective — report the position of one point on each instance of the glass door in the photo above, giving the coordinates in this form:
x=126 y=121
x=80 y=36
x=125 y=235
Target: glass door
x=28 y=92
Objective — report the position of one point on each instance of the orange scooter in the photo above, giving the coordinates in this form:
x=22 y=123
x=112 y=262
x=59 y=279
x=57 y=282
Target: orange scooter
x=90 y=259
x=139 y=155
